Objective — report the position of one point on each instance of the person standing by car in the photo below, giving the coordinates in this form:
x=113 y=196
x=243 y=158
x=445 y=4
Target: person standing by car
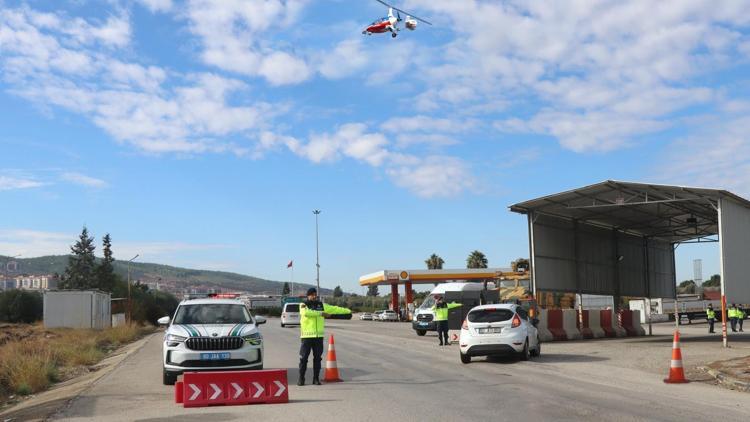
x=711 y=317
x=732 y=314
x=740 y=316
x=440 y=308
x=312 y=324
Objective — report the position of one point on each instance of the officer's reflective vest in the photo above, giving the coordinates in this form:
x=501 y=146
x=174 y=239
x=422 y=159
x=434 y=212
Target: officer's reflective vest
x=732 y=313
x=311 y=322
x=441 y=314
x=710 y=314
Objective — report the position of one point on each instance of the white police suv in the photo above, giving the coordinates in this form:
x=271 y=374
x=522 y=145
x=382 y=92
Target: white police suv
x=211 y=334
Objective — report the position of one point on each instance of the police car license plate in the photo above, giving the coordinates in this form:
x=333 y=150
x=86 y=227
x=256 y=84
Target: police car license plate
x=422 y=324
x=214 y=356
x=489 y=330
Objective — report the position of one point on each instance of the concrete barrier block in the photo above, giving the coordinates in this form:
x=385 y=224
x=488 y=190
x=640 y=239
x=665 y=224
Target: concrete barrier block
x=595 y=324
x=544 y=333
x=570 y=324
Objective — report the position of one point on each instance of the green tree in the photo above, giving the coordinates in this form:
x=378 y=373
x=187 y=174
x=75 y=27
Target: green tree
x=714 y=281
x=105 y=271
x=20 y=306
x=476 y=259
x=81 y=271
x=337 y=292
x=687 y=286
x=372 y=290
x=434 y=262
x=286 y=290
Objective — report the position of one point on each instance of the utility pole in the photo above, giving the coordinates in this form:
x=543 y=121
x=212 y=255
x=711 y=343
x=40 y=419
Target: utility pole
x=317 y=252
x=130 y=300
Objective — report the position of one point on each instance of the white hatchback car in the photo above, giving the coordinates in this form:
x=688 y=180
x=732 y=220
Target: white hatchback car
x=290 y=314
x=389 y=316
x=211 y=334
x=500 y=329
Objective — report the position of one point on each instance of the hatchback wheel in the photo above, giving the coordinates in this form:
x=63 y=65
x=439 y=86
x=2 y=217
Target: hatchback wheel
x=465 y=358
x=538 y=351
x=525 y=354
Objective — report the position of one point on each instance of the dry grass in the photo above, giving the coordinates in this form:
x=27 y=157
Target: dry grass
x=30 y=365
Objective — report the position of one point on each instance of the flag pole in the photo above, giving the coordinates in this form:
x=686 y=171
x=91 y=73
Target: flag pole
x=291 y=278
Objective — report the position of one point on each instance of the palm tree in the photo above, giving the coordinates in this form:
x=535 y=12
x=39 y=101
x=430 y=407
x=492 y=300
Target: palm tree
x=434 y=262
x=476 y=259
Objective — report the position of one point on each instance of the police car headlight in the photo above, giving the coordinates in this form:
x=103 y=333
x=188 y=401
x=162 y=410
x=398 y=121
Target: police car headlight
x=254 y=339
x=173 y=340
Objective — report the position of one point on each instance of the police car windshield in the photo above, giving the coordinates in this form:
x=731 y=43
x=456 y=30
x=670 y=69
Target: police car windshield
x=212 y=314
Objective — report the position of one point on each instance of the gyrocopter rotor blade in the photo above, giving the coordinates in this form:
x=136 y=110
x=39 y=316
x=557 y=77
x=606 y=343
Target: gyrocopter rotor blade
x=404 y=12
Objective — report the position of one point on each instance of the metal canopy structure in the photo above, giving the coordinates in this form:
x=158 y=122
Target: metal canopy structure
x=618 y=238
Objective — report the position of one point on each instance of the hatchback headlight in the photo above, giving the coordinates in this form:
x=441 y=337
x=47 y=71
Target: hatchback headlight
x=254 y=339
x=173 y=340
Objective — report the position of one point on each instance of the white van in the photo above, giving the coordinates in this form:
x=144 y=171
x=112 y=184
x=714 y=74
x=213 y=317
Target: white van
x=290 y=314
x=424 y=317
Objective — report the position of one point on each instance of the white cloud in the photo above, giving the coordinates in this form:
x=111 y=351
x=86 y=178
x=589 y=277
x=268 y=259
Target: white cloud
x=716 y=156
x=351 y=140
x=14 y=183
x=348 y=57
x=433 y=176
x=596 y=75
x=83 y=180
x=232 y=37
x=157 y=5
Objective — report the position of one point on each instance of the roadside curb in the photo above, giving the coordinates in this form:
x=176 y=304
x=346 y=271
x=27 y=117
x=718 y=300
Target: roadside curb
x=727 y=380
x=47 y=403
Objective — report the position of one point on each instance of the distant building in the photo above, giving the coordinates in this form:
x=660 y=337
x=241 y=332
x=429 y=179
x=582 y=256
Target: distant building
x=7 y=284
x=36 y=282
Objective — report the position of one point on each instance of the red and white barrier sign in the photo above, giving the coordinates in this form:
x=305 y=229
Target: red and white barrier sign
x=199 y=389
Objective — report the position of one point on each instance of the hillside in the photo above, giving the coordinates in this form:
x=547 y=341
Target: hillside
x=171 y=278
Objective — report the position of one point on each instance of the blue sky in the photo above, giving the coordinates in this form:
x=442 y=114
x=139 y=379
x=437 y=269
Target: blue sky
x=203 y=133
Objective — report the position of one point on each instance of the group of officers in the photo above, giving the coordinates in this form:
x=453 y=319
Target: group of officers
x=735 y=314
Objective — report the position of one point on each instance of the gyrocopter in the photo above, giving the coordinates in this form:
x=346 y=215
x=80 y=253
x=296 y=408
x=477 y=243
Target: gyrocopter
x=390 y=22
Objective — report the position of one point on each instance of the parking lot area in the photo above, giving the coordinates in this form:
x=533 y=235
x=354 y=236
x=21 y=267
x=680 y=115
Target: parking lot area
x=389 y=372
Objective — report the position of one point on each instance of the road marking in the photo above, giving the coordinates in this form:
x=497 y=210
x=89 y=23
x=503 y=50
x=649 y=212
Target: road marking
x=196 y=391
x=260 y=390
x=281 y=389
x=237 y=390
x=216 y=393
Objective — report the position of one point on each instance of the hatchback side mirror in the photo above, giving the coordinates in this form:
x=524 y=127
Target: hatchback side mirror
x=163 y=320
x=260 y=320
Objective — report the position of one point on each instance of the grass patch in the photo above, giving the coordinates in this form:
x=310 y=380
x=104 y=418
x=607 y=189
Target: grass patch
x=31 y=365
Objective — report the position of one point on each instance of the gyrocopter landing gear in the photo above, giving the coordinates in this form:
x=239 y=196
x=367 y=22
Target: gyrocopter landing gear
x=393 y=35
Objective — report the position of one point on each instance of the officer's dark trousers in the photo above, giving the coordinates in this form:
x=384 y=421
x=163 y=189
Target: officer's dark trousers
x=733 y=322
x=710 y=325
x=316 y=346
x=739 y=321
x=442 y=330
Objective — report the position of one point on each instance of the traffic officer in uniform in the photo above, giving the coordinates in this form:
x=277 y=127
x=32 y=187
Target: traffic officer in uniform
x=732 y=314
x=440 y=308
x=740 y=316
x=312 y=324
x=711 y=317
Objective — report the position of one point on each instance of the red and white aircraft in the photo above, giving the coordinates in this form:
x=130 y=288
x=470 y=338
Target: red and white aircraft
x=390 y=22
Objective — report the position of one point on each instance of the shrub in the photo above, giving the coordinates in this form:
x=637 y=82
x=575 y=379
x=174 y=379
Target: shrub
x=21 y=306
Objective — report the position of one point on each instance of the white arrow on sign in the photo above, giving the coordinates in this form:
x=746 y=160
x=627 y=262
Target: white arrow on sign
x=216 y=393
x=196 y=392
x=281 y=389
x=237 y=390
x=259 y=391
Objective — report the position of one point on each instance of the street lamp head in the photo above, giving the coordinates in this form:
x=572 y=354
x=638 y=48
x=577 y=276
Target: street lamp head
x=316 y=212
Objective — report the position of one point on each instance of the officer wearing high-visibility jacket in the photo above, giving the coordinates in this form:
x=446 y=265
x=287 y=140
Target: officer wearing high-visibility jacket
x=711 y=317
x=440 y=308
x=732 y=314
x=740 y=316
x=312 y=323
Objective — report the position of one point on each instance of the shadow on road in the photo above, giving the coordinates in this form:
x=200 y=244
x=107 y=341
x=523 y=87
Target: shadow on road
x=546 y=358
x=196 y=418
x=692 y=338
x=345 y=373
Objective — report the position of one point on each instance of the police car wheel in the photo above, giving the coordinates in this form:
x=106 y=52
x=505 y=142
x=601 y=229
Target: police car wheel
x=282 y=325
x=169 y=378
x=421 y=332
x=465 y=358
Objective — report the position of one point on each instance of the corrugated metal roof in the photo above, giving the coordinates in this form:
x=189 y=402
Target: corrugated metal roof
x=672 y=213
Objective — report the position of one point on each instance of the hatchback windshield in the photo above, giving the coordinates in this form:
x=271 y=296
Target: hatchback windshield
x=220 y=313
x=490 y=315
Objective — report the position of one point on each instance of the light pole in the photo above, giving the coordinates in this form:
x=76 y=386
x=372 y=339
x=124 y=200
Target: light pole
x=130 y=301
x=317 y=251
x=5 y=270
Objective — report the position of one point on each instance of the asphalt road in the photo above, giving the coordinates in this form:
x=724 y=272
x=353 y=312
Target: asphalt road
x=391 y=374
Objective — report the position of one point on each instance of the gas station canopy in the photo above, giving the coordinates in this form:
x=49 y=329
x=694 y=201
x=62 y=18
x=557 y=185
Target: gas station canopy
x=436 y=276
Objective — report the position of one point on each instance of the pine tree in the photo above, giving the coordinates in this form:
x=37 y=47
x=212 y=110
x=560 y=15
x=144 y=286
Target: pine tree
x=337 y=292
x=286 y=290
x=105 y=271
x=81 y=271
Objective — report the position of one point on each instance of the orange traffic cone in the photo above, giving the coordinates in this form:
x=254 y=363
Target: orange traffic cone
x=676 y=374
x=332 y=371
